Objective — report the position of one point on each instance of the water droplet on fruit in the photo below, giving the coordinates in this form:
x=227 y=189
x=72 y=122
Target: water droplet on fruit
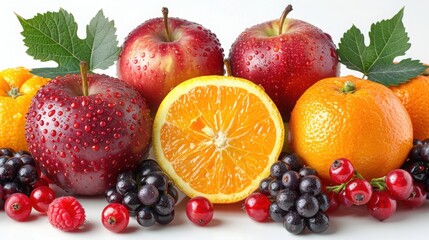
x=51 y=113
x=262 y=55
x=152 y=55
x=84 y=102
x=139 y=68
x=50 y=106
x=62 y=154
x=38 y=117
x=99 y=111
x=119 y=114
x=78 y=133
x=333 y=53
x=45 y=131
x=74 y=105
x=110 y=105
x=321 y=58
x=276 y=57
x=42 y=139
x=276 y=48
x=95 y=147
x=87 y=128
x=135 y=61
x=76 y=149
x=116 y=135
x=145 y=67
x=143 y=54
x=249 y=58
x=102 y=124
x=66 y=126
x=40 y=105
x=53 y=133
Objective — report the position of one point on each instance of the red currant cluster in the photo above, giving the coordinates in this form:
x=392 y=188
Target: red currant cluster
x=380 y=194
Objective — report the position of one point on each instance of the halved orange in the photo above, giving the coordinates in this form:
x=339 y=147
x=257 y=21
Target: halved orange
x=217 y=136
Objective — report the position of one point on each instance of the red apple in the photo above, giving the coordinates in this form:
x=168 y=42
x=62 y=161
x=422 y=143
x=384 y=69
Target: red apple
x=163 y=52
x=82 y=137
x=285 y=57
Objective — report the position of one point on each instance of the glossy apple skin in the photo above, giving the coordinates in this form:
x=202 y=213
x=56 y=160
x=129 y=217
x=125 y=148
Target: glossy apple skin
x=82 y=142
x=154 y=65
x=284 y=65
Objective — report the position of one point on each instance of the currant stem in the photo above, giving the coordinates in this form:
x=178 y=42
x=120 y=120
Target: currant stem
x=379 y=183
x=165 y=21
x=336 y=188
x=282 y=19
x=84 y=75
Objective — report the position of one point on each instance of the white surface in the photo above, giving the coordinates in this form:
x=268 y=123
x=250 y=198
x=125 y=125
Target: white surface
x=227 y=19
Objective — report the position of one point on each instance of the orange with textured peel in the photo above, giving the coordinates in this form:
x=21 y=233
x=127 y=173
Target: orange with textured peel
x=17 y=88
x=415 y=97
x=217 y=137
x=367 y=124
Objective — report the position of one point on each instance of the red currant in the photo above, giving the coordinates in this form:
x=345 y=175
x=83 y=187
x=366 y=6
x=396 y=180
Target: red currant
x=381 y=205
x=257 y=207
x=115 y=217
x=334 y=201
x=199 y=210
x=341 y=171
x=41 y=197
x=18 y=206
x=343 y=199
x=399 y=183
x=358 y=191
x=41 y=182
x=417 y=198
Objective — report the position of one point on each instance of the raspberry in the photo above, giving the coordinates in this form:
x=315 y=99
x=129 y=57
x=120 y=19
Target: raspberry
x=66 y=213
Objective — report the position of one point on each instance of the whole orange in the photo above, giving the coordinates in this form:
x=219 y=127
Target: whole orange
x=415 y=97
x=17 y=88
x=352 y=118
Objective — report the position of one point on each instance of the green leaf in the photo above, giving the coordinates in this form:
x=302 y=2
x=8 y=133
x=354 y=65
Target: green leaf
x=101 y=36
x=394 y=74
x=52 y=36
x=388 y=40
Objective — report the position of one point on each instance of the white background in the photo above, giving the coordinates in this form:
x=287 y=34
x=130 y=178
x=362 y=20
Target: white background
x=226 y=18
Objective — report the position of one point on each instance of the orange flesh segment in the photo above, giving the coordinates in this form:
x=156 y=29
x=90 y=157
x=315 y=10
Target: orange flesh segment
x=222 y=150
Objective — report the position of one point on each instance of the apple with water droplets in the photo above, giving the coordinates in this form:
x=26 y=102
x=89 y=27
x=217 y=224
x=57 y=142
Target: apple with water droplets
x=163 y=52
x=285 y=57
x=84 y=129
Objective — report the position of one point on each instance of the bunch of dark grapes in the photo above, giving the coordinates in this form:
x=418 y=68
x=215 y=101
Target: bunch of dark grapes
x=417 y=163
x=147 y=193
x=18 y=173
x=297 y=198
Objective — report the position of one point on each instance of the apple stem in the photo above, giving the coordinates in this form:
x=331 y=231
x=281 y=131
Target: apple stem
x=287 y=10
x=84 y=75
x=227 y=67
x=348 y=87
x=165 y=21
